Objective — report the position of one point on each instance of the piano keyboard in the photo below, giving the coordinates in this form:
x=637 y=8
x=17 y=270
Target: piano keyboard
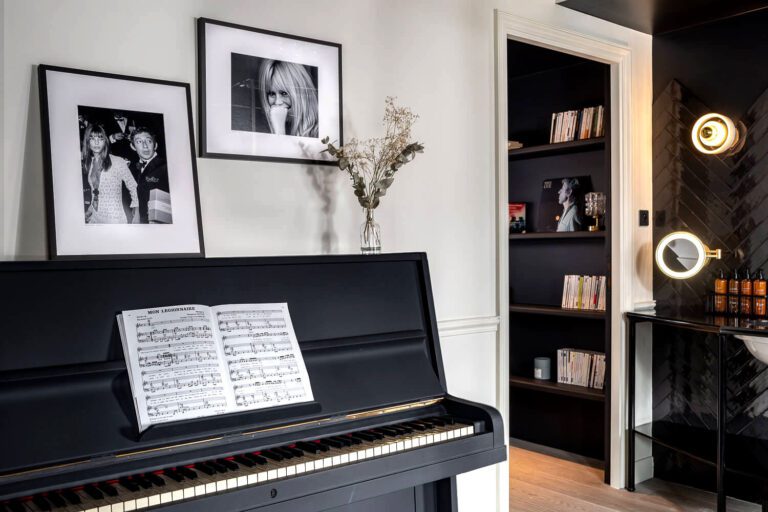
x=142 y=491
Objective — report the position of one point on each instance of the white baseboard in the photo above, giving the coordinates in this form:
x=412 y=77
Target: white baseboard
x=643 y=469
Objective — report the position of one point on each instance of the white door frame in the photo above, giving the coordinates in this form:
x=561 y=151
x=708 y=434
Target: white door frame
x=623 y=276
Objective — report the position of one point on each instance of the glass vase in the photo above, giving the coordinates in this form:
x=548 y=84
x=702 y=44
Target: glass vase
x=370 y=235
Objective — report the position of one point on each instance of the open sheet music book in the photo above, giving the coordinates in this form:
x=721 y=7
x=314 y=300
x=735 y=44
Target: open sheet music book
x=192 y=361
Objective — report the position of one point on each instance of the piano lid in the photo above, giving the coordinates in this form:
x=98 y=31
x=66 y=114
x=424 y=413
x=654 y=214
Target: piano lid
x=366 y=326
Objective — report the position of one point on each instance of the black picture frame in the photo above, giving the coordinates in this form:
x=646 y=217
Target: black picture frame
x=207 y=148
x=55 y=237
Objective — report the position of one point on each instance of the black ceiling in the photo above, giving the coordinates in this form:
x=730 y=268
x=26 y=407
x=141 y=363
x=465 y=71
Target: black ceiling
x=660 y=16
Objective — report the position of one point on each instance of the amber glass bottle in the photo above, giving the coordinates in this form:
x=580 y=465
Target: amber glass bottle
x=721 y=293
x=733 y=293
x=759 y=292
x=745 y=299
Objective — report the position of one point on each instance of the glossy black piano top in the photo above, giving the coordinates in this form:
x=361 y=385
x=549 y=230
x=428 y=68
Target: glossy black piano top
x=366 y=327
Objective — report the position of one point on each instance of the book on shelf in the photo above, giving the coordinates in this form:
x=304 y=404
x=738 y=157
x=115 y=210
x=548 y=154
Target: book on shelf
x=587 y=293
x=192 y=361
x=584 y=368
x=572 y=125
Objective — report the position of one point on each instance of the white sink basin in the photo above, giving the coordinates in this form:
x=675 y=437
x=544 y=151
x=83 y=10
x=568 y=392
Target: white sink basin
x=757 y=345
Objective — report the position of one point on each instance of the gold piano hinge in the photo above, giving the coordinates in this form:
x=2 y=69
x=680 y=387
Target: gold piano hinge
x=45 y=468
x=393 y=409
x=283 y=427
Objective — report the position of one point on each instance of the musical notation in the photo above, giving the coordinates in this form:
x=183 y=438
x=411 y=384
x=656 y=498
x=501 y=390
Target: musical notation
x=190 y=361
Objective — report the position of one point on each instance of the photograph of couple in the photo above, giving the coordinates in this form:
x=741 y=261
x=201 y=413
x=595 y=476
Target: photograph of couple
x=124 y=170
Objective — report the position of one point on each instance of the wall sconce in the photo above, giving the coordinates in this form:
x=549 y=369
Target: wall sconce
x=681 y=255
x=715 y=134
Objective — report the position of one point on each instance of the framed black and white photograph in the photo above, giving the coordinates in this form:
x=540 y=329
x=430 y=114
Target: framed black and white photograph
x=121 y=179
x=266 y=95
x=562 y=204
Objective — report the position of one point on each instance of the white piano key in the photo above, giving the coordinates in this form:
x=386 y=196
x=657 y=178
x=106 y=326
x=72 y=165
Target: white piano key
x=221 y=485
x=189 y=492
x=166 y=497
x=471 y=430
x=262 y=477
x=300 y=468
x=252 y=479
x=118 y=507
x=242 y=480
x=232 y=483
x=328 y=462
x=281 y=473
x=336 y=460
x=271 y=474
x=142 y=503
x=210 y=487
x=154 y=500
x=353 y=457
x=377 y=451
x=345 y=458
x=104 y=508
x=291 y=470
x=200 y=490
x=400 y=445
x=129 y=505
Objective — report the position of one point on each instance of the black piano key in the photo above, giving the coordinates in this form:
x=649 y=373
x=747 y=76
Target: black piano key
x=205 y=468
x=364 y=436
x=257 y=458
x=293 y=451
x=287 y=453
x=17 y=507
x=129 y=484
x=217 y=467
x=308 y=447
x=416 y=426
x=173 y=475
x=437 y=421
x=71 y=497
x=156 y=480
x=93 y=492
x=187 y=472
x=387 y=432
x=426 y=423
x=353 y=439
x=244 y=461
x=229 y=464
x=143 y=482
x=272 y=455
x=330 y=443
x=56 y=500
x=41 y=503
x=401 y=431
x=343 y=440
x=406 y=429
x=107 y=489
x=374 y=434
x=448 y=420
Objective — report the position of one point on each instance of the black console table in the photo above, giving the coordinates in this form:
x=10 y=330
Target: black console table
x=724 y=328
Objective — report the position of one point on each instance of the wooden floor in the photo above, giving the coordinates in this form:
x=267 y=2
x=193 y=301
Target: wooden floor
x=545 y=483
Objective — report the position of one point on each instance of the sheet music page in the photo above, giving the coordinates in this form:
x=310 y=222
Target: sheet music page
x=262 y=355
x=175 y=364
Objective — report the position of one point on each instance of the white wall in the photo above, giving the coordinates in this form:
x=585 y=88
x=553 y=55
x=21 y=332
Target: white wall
x=436 y=56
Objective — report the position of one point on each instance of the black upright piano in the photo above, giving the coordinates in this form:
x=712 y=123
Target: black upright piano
x=382 y=433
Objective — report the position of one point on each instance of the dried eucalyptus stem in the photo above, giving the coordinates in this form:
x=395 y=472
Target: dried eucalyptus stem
x=372 y=163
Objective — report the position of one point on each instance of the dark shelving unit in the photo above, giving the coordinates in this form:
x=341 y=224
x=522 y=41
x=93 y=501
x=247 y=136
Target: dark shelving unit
x=540 y=83
x=559 y=148
x=557 y=388
x=534 y=309
x=594 y=235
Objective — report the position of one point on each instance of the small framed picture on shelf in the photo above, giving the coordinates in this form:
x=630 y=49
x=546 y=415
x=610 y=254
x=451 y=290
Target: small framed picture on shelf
x=266 y=95
x=121 y=177
x=562 y=204
x=517 y=218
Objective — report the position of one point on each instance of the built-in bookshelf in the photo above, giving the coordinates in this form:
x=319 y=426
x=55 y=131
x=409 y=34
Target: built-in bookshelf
x=573 y=418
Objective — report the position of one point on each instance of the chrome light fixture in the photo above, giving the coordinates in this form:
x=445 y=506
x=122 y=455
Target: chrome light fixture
x=681 y=255
x=716 y=134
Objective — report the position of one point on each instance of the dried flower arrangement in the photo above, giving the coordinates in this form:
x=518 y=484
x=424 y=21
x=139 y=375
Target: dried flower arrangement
x=372 y=164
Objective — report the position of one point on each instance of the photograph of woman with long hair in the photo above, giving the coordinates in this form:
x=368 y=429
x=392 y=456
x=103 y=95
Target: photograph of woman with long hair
x=104 y=176
x=289 y=98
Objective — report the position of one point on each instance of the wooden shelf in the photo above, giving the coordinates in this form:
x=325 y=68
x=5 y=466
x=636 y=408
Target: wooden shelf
x=533 y=309
x=559 y=148
x=560 y=236
x=547 y=386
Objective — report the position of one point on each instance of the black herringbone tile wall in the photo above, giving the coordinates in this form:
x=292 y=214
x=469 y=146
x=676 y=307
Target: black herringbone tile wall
x=724 y=201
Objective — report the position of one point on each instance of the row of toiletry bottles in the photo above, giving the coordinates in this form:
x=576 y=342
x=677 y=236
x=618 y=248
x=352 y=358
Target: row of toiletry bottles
x=741 y=294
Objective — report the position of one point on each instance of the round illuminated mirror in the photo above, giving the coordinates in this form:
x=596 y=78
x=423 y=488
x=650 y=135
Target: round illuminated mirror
x=681 y=255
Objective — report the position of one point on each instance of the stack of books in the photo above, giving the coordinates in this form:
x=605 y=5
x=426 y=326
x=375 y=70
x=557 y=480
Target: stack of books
x=577 y=124
x=581 y=368
x=584 y=293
